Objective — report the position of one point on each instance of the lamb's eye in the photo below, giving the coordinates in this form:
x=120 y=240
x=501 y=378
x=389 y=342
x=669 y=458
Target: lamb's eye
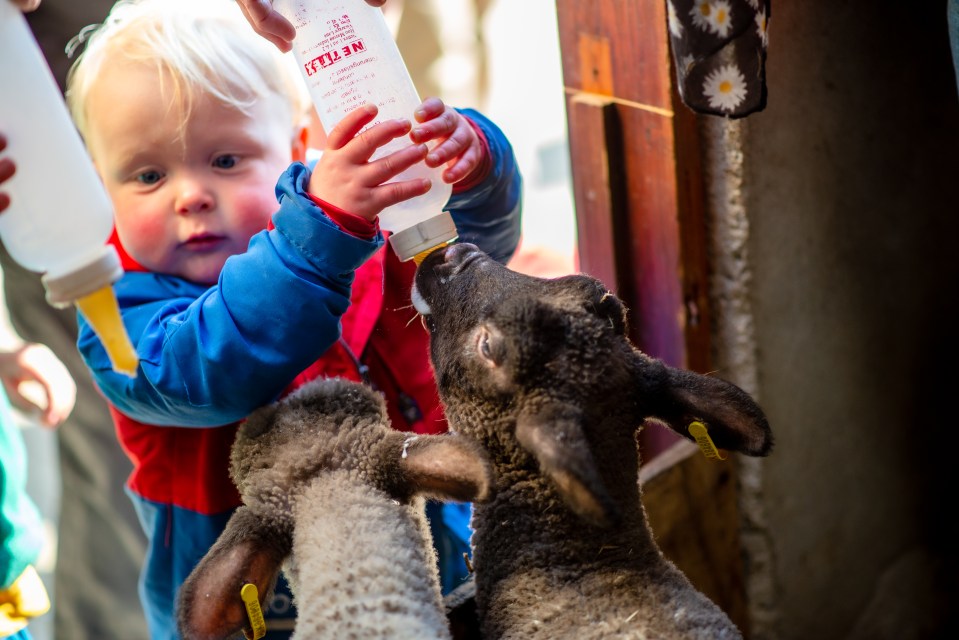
x=483 y=346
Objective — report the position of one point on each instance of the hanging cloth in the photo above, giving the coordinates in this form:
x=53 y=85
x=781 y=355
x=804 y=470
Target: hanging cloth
x=719 y=52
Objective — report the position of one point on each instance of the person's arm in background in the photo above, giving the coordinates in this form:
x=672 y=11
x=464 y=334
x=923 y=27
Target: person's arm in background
x=35 y=364
x=267 y=22
x=22 y=592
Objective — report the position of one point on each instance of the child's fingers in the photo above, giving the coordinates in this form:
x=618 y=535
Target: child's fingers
x=461 y=152
x=351 y=124
x=366 y=144
x=429 y=109
x=7 y=169
x=436 y=128
x=391 y=193
x=451 y=148
x=388 y=167
x=462 y=166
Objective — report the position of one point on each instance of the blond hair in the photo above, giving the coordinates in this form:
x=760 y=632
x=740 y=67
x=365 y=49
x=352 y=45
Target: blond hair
x=204 y=47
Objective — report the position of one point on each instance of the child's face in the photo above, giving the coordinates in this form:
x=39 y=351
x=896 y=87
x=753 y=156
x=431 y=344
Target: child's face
x=185 y=198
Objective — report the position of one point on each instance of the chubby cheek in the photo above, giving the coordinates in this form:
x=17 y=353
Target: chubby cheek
x=147 y=236
x=250 y=211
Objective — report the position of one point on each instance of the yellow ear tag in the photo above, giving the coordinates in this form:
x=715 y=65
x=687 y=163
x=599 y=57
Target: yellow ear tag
x=251 y=599
x=699 y=432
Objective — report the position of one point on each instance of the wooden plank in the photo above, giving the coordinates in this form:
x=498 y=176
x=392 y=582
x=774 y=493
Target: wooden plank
x=616 y=48
x=598 y=187
x=691 y=219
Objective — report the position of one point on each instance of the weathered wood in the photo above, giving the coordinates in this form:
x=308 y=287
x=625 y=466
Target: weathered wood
x=599 y=190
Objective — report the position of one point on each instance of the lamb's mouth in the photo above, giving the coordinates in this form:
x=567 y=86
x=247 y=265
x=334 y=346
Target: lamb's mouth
x=457 y=258
x=419 y=302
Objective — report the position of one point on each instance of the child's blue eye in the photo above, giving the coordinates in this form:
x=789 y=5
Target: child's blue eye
x=225 y=162
x=149 y=177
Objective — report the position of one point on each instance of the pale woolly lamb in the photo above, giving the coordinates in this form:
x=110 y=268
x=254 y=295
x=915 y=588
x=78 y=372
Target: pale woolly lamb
x=335 y=495
x=542 y=374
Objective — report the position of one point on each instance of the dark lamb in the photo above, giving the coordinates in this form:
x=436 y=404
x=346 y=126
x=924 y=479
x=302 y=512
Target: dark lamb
x=542 y=374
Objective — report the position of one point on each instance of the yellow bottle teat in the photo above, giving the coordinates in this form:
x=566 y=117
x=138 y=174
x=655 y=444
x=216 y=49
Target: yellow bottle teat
x=102 y=312
x=419 y=257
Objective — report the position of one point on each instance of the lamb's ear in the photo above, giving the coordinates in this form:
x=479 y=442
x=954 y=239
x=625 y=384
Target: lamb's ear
x=554 y=435
x=734 y=420
x=446 y=467
x=209 y=604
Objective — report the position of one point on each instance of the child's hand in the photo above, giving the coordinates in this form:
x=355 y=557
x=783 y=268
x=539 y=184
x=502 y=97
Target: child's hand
x=345 y=177
x=459 y=148
x=7 y=169
x=35 y=365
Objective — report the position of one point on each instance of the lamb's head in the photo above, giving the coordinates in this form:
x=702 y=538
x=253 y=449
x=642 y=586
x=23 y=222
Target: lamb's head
x=328 y=433
x=547 y=364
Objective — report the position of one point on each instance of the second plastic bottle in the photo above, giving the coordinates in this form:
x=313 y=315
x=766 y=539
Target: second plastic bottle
x=348 y=57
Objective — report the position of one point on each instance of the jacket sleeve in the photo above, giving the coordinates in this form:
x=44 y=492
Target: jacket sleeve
x=212 y=355
x=489 y=214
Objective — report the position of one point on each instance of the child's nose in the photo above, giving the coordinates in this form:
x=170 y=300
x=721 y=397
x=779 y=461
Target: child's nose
x=193 y=196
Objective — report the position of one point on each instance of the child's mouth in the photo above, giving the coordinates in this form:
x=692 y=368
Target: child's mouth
x=203 y=242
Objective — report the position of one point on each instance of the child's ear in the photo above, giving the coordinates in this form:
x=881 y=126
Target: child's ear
x=301 y=139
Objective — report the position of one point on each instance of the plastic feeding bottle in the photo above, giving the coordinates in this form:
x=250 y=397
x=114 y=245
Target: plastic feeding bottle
x=347 y=55
x=60 y=217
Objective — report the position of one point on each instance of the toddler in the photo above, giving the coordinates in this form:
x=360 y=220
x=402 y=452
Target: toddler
x=240 y=287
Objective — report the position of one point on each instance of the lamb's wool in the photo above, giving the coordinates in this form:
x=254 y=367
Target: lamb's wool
x=361 y=565
x=337 y=496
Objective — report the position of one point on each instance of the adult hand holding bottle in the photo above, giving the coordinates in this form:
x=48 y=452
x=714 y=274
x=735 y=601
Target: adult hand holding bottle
x=29 y=5
x=267 y=22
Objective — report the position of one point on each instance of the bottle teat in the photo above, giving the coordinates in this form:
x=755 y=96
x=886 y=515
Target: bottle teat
x=90 y=288
x=102 y=312
x=419 y=240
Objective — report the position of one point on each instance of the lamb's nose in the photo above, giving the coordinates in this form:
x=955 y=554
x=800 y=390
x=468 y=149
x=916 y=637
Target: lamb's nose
x=458 y=252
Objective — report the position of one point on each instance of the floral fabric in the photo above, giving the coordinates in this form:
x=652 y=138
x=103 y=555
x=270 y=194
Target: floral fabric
x=719 y=51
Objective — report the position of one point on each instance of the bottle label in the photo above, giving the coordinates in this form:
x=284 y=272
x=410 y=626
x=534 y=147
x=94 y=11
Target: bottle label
x=337 y=45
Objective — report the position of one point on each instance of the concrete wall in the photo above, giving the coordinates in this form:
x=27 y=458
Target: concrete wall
x=838 y=280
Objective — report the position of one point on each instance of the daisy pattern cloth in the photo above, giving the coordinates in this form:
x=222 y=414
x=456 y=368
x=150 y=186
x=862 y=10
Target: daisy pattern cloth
x=719 y=51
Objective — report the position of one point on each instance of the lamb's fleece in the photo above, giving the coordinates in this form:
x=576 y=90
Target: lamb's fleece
x=542 y=373
x=336 y=495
